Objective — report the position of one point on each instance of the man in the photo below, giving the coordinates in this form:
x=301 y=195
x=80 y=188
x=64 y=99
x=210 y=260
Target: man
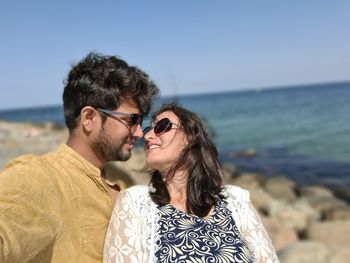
x=56 y=207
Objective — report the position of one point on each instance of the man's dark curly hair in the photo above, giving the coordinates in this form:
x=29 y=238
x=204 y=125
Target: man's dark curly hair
x=199 y=158
x=105 y=82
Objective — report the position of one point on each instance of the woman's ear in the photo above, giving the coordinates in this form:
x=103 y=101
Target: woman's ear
x=87 y=115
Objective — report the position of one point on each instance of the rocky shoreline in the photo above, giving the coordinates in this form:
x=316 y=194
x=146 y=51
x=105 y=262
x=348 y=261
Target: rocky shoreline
x=305 y=223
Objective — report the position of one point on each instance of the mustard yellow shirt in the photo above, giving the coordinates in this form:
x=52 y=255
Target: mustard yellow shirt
x=53 y=208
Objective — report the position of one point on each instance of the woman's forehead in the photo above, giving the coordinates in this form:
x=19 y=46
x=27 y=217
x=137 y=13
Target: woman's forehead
x=167 y=114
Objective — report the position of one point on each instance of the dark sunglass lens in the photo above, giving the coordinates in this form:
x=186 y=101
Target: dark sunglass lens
x=162 y=126
x=147 y=129
x=136 y=119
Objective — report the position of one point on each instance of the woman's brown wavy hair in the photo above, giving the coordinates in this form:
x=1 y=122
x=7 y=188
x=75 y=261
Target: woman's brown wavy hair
x=199 y=158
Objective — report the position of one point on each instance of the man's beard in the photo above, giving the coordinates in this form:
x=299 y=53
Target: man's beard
x=107 y=150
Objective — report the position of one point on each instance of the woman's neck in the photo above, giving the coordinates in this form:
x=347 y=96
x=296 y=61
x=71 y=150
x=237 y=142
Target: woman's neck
x=177 y=189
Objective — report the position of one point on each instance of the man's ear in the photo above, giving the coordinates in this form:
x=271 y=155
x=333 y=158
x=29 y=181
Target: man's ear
x=87 y=115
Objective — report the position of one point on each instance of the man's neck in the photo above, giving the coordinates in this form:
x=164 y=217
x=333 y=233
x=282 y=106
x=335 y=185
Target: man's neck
x=83 y=149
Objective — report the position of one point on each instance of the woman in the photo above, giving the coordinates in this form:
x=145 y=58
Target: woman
x=185 y=215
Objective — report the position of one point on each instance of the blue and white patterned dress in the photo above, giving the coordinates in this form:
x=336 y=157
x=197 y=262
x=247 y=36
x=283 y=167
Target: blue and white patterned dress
x=141 y=231
x=189 y=238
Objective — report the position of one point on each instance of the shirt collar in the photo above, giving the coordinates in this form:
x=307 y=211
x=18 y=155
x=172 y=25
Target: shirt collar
x=71 y=156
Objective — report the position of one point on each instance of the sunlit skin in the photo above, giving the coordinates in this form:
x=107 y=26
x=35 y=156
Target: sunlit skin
x=102 y=142
x=162 y=152
x=116 y=138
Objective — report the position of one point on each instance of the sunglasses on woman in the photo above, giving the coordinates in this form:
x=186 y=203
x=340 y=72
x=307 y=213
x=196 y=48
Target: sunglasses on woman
x=162 y=126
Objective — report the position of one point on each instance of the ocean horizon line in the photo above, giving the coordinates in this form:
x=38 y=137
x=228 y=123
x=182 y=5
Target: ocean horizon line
x=205 y=93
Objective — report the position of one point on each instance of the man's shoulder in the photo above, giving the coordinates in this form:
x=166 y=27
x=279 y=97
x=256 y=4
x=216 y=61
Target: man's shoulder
x=32 y=161
x=28 y=160
x=25 y=174
x=27 y=167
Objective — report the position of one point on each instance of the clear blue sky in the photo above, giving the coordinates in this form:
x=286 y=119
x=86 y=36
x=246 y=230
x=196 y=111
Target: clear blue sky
x=185 y=46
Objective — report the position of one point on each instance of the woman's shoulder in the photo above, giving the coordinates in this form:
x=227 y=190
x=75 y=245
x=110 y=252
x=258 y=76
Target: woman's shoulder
x=135 y=194
x=139 y=199
x=238 y=201
x=136 y=190
x=235 y=192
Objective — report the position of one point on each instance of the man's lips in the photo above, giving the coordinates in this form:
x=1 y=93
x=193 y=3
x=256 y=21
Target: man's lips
x=129 y=144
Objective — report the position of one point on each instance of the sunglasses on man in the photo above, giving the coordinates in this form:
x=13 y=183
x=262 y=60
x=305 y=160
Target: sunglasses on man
x=133 y=118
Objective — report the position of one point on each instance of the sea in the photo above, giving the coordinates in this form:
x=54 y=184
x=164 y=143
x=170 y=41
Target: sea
x=302 y=132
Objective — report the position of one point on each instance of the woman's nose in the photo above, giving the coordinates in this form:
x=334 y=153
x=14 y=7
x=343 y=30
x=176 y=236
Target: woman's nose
x=148 y=134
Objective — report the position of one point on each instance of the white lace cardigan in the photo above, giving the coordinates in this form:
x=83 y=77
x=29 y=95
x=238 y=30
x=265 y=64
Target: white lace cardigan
x=133 y=227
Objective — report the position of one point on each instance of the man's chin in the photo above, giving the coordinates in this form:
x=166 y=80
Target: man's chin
x=125 y=155
x=125 y=158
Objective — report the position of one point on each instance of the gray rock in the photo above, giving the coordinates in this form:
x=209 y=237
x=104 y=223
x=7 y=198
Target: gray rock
x=315 y=190
x=261 y=199
x=249 y=181
x=340 y=255
x=230 y=171
x=305 y=252
x=281 y=235
x=118 y=175
x=323 y=204
x=331 y=232
x=337 y=213
x=281 y=188
x=250 y=152
x=135 y=167
x=297 y=215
